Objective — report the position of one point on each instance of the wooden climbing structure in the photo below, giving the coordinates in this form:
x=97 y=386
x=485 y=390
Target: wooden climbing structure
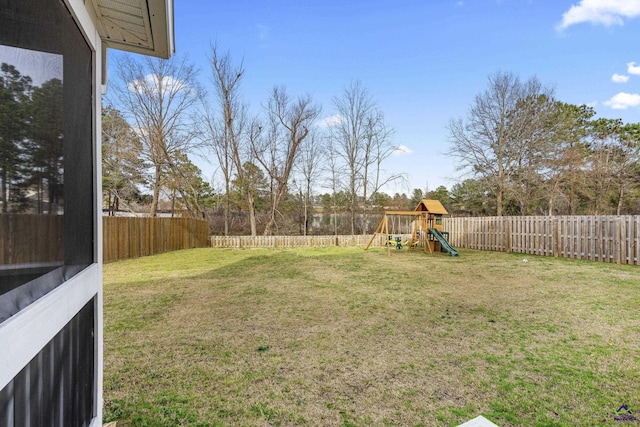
x=426 y=229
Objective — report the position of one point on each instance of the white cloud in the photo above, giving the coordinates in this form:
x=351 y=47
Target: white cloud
x=402 y=150
x=141 y=132
x=619 y=78
x=151 y=85
x=602 y=12
x=592 y=104
x=331 y=121
x=632 y=68
x=622 y=101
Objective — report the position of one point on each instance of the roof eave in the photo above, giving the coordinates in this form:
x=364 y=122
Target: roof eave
x=160 y=30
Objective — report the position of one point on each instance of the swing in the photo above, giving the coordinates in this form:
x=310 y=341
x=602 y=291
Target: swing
x=394 y=232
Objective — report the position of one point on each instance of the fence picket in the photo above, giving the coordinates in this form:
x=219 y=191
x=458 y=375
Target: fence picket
x=596 y=238
x=131 y=237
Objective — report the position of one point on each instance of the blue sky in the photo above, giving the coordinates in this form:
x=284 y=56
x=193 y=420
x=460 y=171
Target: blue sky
x=423 y=61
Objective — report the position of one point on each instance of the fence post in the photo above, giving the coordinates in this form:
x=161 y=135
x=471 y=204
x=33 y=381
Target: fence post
x=466 y=233
x=619 y=238
x=507 y=231
x=556 y=247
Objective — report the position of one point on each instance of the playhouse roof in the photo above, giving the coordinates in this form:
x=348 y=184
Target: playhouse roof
x=431 y=206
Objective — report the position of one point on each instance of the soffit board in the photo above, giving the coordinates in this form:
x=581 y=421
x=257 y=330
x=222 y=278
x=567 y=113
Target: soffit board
x=141 y=26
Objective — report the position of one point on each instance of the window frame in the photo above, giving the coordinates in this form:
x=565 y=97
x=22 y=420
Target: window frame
x=33 y=327
x=77 y=227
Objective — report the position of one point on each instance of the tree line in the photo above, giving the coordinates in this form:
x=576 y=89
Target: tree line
x=31 y=144
x=519 y=151
x=271 y=163
x=524 y=153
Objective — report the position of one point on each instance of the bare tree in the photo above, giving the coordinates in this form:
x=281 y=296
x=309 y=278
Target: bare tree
x=363 y=142
x=158 y=98
x=289 y=122
x=185 y=180
x=376 y=149
x=353 y=107
x=335 y=176
x=230 y=137
x=248 y=174
x=312 y=157
x=499 y=128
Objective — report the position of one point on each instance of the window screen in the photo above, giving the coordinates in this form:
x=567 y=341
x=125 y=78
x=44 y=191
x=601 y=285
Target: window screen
x=46 y=151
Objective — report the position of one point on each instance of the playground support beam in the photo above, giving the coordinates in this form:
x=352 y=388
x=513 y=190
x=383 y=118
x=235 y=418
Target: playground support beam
x=412 y=213
x=383 y=227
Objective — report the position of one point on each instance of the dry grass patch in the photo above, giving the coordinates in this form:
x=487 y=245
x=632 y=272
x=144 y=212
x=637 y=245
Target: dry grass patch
x=345 y=337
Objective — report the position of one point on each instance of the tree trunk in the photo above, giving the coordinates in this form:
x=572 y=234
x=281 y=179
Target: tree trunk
x=156 y=192
x=227 y=208
x=620 y=196
x=252 y=214
x=268 y=230
x=4 y=192
x=305 y=216
x=353 y=203
x=364 y=206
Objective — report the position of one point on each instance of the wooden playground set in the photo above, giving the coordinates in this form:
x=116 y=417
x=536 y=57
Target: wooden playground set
x=425 y=223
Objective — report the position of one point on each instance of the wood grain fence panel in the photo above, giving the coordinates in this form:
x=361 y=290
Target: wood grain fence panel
x=595 y=232
x=631 y=232
x=604 y=238
x=614 y=239
x=626 y=247
x=135 y=231
x=296 y=241
x=559 y=228
x=596 y=238
x=609 y=253
x=123 y=237
x=636 y=239
x=131 y=237
x=564 y=237
x=593 y=247
x=160 y=236
x=580 y=236
x=109 y=251
x=530 y=235
x=572 y=237
x=31 y=238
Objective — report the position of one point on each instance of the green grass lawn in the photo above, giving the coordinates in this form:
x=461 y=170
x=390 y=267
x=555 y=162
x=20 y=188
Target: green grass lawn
x=344 y=337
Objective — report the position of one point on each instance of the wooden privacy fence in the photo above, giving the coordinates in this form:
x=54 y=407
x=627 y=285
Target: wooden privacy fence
x=131 y=237
x=292 y=241
x=30 y=238
x=596 y=238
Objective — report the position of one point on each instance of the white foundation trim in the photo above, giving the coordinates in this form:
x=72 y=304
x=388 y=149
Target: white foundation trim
x=28 y=331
